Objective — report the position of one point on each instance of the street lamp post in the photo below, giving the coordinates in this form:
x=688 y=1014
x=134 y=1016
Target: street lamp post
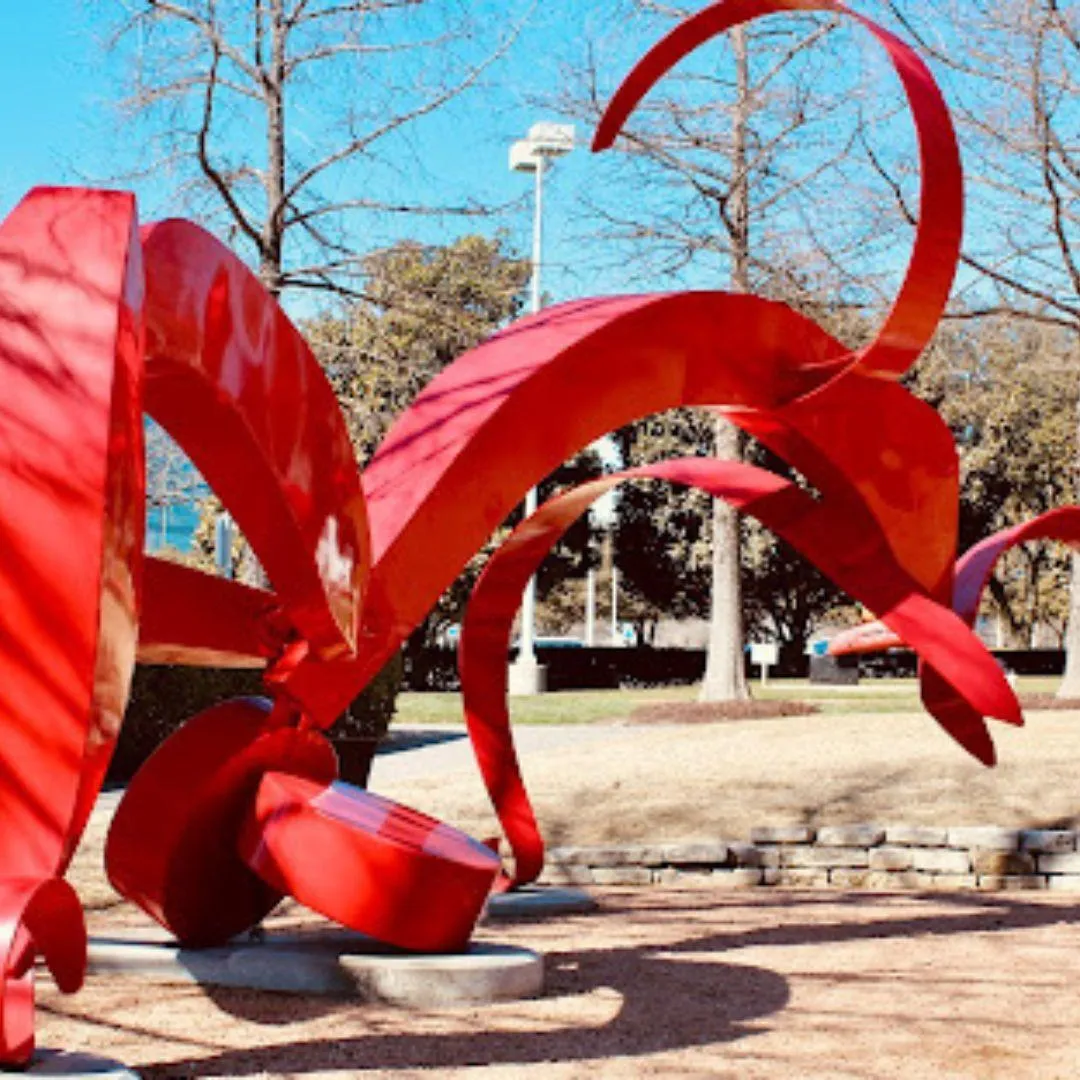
x=544 y=142
x=223 y=541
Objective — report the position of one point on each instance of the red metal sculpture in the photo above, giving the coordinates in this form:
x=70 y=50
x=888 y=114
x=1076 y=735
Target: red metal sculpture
x=102 y=321
x=973 y=572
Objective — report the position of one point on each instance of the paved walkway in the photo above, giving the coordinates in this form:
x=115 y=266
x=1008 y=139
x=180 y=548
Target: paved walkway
x=416 y=751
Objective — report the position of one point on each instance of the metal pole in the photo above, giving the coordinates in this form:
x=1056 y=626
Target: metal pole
x=538 y=234
x=615 y=639
x=527 y=651
x=223 y=537
x=590 y=608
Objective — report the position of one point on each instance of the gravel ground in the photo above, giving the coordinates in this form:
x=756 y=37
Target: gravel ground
x=665 y=982
x=687 y=982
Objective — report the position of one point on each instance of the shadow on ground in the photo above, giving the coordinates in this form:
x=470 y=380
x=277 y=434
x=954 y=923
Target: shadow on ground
x=396 y=741
x=715 y=1003
x=670 y=995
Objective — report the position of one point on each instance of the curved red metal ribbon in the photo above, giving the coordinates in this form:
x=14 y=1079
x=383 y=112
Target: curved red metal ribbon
x=37 y=916
x=443 y=468
x=399 y=876
x=70 y=467
x=973 y=571
x=71 y=487
x=173 y=846
x=231 y=379
x=846 y=549
x=236 y=807
x=974 y=568
x=934 y=258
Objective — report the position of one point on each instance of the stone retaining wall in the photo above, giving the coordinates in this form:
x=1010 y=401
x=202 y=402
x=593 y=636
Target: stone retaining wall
x=845 y=857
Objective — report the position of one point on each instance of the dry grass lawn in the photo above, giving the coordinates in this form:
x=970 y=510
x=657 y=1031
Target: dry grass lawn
x=672 y=782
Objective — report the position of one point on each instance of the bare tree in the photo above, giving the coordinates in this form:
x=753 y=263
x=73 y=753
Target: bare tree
x=725 y=671
x=1011 y=70
x=1013 y=74
x=287 y=118
x=730 y=160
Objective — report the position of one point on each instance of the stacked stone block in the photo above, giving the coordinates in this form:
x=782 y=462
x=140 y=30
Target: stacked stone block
x=871 y=857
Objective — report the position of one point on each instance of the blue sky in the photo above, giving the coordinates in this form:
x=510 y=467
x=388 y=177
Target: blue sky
x=58 y=87
x=46 y=85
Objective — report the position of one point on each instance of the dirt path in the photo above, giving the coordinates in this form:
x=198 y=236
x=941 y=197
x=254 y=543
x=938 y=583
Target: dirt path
x=687 y=982
x=674 y=983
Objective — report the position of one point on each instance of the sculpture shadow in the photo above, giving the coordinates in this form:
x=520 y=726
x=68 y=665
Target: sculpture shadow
x=667 y=996
x=395 y=742
x=715 y=1002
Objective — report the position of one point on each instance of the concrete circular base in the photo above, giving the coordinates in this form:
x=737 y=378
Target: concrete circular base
x=538 y=902
x=332 y=962
x=76 y=1066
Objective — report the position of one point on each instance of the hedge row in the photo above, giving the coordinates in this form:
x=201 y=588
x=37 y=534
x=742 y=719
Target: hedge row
x=603 y=667
x=163 y=697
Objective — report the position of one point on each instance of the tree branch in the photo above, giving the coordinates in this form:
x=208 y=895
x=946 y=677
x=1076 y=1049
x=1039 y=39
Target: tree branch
x=212 y=174
x=356 y=145
x=209 y=30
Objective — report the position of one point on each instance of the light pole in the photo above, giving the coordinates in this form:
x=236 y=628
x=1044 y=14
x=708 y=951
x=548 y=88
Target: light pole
x=590 y=607
x=223 y=540
x=544 y=142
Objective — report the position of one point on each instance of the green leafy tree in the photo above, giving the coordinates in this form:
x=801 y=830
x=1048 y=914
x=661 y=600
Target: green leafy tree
x=422 y=308
x=1006 y=388
x=662 y=545
x=662 y=534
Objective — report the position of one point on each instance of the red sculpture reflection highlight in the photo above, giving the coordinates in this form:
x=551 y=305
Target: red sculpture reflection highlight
x=100 y=321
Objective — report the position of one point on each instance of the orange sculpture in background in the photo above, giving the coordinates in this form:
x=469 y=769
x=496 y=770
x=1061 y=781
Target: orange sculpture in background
x=101 y=322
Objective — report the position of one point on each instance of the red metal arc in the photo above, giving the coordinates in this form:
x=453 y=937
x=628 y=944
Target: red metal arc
x=812 y=526
x=973 y=571
x=100 y=322
x=71 y=488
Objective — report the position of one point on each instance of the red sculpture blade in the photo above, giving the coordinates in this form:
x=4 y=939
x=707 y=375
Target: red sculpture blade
x=240 y=806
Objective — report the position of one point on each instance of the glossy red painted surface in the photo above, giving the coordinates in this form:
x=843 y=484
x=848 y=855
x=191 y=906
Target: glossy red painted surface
x=812 y=526
x=99 y=321
x=958 y=715
x=71 y=531
x=398 y=876
x=37 y=916
x=869 y=637
x=172 y=848
x=232 y=380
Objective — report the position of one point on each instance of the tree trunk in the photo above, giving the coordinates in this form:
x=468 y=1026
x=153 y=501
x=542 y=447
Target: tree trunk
x=725 y=677
x=725 y=674
x=274 y=94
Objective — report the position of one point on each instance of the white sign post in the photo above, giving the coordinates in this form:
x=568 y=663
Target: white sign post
x=765 y=654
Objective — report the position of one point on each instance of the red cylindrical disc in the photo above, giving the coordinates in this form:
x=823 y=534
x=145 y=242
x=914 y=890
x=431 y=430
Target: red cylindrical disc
x=366 y=862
